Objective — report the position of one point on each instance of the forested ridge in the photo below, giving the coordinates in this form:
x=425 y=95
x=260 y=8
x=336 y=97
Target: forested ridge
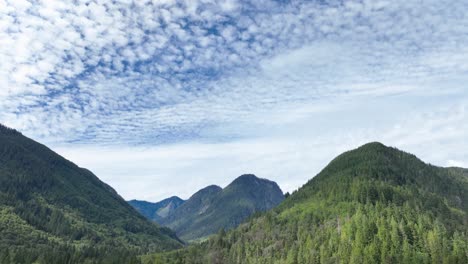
x=52 y=211
x=374 y=204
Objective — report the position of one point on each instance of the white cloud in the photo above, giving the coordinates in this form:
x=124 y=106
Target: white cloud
x=150 y=73
x=289 y=154
x=456 y=163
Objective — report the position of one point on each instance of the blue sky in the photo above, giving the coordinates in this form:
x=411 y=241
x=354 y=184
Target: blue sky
x=161 y=98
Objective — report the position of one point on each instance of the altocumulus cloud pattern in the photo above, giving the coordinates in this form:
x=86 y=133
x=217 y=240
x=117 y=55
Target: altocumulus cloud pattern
x=160 y=71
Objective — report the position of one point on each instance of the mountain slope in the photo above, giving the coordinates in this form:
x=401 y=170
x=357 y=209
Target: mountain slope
x=159 y=210
x=52 y=211
x=374 y=204
x=213 y=208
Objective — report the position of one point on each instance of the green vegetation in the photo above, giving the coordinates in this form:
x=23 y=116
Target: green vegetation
x=213 y=208
x=52 y=211
x=371 y=205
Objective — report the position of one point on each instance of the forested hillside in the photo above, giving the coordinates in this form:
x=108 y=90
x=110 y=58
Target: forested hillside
x=374 y=204
x=52 y=211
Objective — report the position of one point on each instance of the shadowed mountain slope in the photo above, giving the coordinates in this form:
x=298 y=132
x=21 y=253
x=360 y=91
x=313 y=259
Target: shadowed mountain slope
x=157 y=211
x=214 y=208
x=52 y=211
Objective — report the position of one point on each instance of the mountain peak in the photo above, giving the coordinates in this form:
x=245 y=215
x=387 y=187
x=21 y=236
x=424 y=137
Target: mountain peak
x=246 y=178
x=173 y=199
x=211 y=187
x=372 y=148
x=213 y=208
x=157 y=211
x=375 y=162
x=373 y=145
x=207 y=190
x=250 y=179
x=4 y=130
x=372 y=154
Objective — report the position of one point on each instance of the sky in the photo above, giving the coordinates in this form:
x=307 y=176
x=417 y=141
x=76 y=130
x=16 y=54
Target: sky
x=162 y=98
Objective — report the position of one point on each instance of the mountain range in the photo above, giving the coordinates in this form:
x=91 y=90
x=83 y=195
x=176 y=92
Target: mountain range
x=213 y=208
x=374 y=204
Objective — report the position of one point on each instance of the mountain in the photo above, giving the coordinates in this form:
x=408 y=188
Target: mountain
x=374 y=204
x=159 y=210
x=214 y=208
x=52 y=211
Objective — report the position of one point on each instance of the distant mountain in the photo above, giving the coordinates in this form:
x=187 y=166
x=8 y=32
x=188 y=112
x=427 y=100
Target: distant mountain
x=214 y=208
x=159 y=210
x=52 y=211
x=374 y=204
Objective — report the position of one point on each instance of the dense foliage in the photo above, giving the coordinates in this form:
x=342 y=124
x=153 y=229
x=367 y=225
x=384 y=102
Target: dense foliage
x=157 y=211
x=213 y=208
x=52 y=211
x=371 y=205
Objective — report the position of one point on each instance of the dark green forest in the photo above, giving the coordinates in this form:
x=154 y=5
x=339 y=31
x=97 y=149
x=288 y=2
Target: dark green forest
x=52 y=211
x=374 y=204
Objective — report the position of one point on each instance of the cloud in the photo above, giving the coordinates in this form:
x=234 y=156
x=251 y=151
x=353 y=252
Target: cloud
x=132 y=74
x=90 y=61
x=456 y=163
x=288 y=154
